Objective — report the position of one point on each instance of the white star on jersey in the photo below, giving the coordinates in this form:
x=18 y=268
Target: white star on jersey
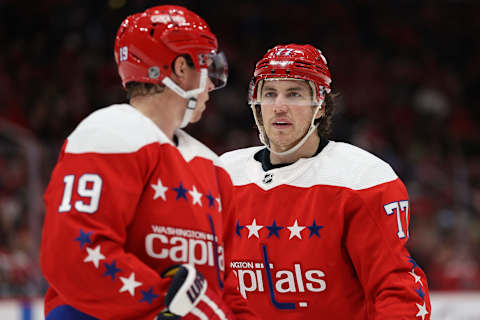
x=416 y=277
x=160 y=190
x=94 y=256
x=129 y=284
x=197 y=196
x=422 y=311
x=219 y=204
x=253 y=229
x=295 y=230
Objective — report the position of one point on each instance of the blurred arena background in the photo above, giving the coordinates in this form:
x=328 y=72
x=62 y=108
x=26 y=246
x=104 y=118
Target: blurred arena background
x=408 y=77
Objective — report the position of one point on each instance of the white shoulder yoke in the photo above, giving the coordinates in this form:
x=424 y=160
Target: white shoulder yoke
x=116 y=129
x=239 y=162
x=190 y=148
x=345 y=165
x=338 y=164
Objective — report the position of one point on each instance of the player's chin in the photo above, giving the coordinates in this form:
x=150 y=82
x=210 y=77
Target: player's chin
x=197 y=117
x=282 y=139
x=280 y=134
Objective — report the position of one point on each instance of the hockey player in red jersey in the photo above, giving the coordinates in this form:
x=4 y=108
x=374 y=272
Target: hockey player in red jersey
x=135 y=207
x=323 y=226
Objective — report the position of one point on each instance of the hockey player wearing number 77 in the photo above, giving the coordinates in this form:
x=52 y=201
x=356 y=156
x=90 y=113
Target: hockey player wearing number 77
x=324 y=224
x=135 y=207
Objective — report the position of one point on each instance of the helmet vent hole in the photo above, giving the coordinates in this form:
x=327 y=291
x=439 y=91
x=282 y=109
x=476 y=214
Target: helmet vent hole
x=138 y=60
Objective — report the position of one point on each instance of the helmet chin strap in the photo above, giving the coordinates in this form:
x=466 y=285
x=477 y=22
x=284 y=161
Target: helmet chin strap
x=266 y=141
x=190 y=95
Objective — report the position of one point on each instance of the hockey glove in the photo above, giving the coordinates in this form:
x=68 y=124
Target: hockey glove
x=189 y=294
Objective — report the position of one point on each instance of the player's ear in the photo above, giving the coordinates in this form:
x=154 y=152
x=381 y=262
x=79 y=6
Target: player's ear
x=321 y=112
x=180 y=67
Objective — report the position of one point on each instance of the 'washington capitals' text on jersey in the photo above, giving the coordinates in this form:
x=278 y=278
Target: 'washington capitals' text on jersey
x=124 y=204
x=324 y=237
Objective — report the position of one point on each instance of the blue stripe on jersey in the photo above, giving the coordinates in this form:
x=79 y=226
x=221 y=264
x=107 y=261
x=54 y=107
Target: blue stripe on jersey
x=67 y=312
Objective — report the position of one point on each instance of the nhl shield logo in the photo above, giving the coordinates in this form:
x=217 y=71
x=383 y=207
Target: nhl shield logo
x=267 y=178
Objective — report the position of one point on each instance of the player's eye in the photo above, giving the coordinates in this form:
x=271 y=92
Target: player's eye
x=294 y=94
x=269 y=94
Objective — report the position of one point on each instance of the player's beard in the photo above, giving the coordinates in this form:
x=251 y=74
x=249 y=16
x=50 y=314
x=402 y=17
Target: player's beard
x=278 y=145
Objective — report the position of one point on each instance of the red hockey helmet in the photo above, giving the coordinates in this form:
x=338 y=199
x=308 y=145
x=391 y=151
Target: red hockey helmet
x=148 y=42
x=293 y=61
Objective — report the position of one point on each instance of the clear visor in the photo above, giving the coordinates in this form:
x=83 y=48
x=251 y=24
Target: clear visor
x=282 y=91
x=217 y=68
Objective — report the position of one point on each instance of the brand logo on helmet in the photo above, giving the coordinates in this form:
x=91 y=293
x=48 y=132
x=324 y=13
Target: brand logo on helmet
x=166 y=18
x=280 y=63
x=153 y=72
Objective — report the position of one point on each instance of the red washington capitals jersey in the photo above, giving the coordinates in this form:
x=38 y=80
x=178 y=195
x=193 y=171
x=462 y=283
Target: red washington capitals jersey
x=123 y=205
x=324 y=238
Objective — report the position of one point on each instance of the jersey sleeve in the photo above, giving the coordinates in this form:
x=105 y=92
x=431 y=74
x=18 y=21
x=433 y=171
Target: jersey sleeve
x=90 y=202
x=376 y=224
x=231 y=295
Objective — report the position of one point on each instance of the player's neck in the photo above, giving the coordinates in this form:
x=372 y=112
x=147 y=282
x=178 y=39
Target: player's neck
x=164 y=109
x=308 y=149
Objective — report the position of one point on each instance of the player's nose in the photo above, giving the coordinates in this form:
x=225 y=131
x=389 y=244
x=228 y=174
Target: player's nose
x=280 y=105
x=210 y=85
